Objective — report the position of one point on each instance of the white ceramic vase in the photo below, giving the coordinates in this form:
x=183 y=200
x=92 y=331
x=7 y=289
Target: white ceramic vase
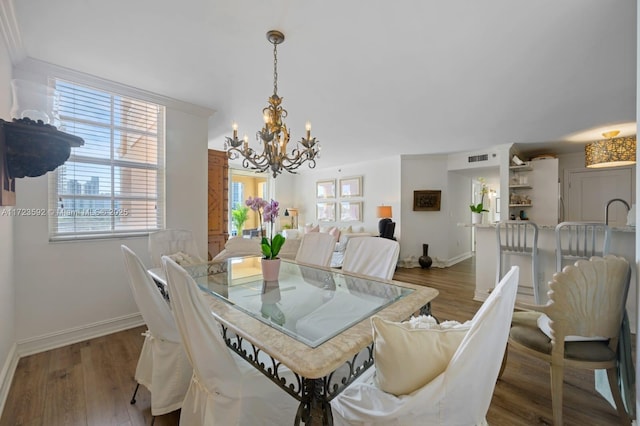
x=476 y=218
x=270 y=269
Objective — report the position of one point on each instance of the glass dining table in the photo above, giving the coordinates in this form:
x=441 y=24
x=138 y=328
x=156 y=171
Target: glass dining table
x=313 y=320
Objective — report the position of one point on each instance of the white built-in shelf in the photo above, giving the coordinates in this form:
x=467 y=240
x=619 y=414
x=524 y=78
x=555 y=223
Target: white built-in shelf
x=520 y=205
x=526 y=167
x=520 y=186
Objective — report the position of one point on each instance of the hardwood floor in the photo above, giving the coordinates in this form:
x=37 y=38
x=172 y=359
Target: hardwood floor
x=91 y=382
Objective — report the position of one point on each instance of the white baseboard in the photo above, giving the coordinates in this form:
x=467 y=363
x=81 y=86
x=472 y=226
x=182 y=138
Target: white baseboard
x=58 y=339
x=452 y=261
x=6 y=375
x=412 y=261
x=480 y=296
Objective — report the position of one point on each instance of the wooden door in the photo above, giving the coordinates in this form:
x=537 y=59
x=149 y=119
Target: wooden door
x=589 y=190
x=218 y=190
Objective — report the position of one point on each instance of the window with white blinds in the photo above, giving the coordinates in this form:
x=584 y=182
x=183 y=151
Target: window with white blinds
x=113 y=185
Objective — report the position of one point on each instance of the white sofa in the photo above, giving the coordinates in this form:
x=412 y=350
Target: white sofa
x=238 y=246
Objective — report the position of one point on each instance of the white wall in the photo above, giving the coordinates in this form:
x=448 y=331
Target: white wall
x=7 y=290
x=391 y=181
x=437 y=228
x=458 y=197
x=380 y=183
x=69 y=291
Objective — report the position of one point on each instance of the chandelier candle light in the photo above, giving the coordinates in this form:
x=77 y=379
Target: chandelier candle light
x=274 y=135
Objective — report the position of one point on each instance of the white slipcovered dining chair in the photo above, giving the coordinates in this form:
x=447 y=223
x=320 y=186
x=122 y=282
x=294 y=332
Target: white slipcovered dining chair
x=163 y=367
x=372 y=256
x=316 y=248
x=170 y=242
x=458 y=396
x=224 y=389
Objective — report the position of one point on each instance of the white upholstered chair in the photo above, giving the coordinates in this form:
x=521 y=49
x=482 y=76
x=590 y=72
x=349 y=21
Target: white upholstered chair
x=373 y=256
x=316 y=248
x=163 y=367
x=458 y=396
x=580 y=240
x=225 y=389
x=171 y=241
x=585 y=314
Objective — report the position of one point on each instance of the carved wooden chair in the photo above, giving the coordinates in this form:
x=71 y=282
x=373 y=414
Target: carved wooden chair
x=585 y=313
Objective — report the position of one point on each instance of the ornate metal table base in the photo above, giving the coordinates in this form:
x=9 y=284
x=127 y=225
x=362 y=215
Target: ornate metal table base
x=314 y=394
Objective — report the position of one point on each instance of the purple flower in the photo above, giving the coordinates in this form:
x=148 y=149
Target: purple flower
x=267 y=212
x=255 y=203
x=270 y=212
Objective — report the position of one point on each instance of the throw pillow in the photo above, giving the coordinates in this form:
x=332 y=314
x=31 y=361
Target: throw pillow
x=346 y=230
x=335 y=232
x=410 y=354
x=311 y=228
x=182 y=259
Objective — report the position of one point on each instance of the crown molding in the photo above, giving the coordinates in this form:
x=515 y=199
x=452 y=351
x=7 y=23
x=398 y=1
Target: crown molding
x=11 y=32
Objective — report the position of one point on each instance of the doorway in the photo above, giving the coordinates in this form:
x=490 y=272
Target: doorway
x=244 y=184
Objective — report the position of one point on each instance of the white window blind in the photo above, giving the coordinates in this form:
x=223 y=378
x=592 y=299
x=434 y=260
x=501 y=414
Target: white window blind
x=113 y=185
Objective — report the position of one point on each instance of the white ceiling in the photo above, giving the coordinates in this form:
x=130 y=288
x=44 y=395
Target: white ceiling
x=376 y=78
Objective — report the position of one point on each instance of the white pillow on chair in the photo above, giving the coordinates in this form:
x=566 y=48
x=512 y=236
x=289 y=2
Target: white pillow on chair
x=183 y=259
x=545 y=327
x=408 y=355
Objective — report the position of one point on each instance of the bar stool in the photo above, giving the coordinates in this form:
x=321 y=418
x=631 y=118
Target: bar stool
x=581 y=240
x=519 y=238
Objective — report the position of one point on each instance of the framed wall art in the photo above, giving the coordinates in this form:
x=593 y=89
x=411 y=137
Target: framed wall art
x=351 y=187
x=326 y=189
x=350 y=211
x=427 y=200
x=326 y=211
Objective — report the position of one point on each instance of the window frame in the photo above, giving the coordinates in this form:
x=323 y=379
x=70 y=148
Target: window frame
x=112 y=162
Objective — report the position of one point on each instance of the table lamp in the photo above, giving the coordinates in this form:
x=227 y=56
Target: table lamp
x=385 y=213
x=293 y=214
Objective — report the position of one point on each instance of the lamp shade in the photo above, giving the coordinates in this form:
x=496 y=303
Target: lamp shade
x=292 y=212
x=610 y=153
x=384 y=211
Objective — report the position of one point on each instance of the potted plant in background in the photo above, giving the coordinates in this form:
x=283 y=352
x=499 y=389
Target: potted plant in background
x=239 y=216
x=478 y=209
x=257 y=204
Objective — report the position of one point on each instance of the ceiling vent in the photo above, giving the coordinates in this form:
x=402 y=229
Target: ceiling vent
x=476 y=158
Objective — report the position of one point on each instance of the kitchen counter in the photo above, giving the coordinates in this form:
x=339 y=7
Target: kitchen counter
x=627 y=228
x=622 y=244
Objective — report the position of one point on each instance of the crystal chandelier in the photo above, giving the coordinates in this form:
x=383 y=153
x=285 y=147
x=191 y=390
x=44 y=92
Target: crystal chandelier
x=274 y=135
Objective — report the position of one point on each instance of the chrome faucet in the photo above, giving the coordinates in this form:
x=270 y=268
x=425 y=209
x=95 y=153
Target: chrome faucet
x=606 y=210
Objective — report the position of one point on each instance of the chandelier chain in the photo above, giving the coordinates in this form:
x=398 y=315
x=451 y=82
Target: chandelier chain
x=275 y=68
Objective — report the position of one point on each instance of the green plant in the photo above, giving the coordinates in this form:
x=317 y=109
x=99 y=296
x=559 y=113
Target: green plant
x=271 y=246
x=479 y=208
x=239 y=216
